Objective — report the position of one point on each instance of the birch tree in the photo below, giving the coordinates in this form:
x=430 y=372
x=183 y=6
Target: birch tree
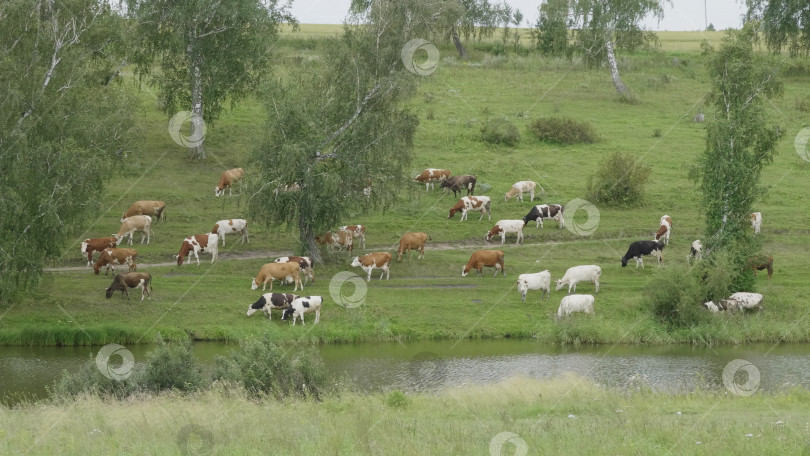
x=200 y=53
x=785 y=24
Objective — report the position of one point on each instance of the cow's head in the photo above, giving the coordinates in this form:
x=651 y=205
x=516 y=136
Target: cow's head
x=356 y=262
x=561 y=284
x=123 y=217
x=624 y=262
x=464 y=270
x=711 y=306
x=179 y=260
x=109 y=292
x=287 y=313
x=522 y=286
x=253 y=284
x=217 y=191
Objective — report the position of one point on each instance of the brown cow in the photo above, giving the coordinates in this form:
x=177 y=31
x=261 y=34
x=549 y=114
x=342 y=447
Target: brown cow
x=122 y=282
x=111 y=257
x=146 y=208
x=761 y=262
x=368 y=262
x=227 y=179
x=430 y=176
x=339 y=239
x=488 y=258
x=412 y=241
x=97 y=245
x=277 y=271
x=460 y=183
x=141 y=223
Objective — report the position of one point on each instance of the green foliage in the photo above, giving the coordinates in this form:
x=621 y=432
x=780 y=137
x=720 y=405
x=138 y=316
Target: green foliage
x=89 y=380
x=397 y=399
x=710 y=27
x=740 y=140
x=500 y=131
x=563 y=130
x=785 y=24
x=57 y=149
x=619 y=180
x=172 y=366
x=674 y=297
x=550 y=33
x=264 y=367
x=802 y=104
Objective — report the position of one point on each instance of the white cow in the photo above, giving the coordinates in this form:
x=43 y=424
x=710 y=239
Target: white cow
x=130 y=225
x=756 y=221
x=575 y=303
x=737 y=301
x=302 y=305
x=696 y=251
x=230 y=226
x=519 y=188
x=536 y=281
x=586 y=273
x=504 y=227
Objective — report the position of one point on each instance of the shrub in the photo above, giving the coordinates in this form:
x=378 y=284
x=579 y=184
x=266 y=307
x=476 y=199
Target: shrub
x=675 y=298
x=500 y=131
x=562 y=130
x=263 y=367
x=803 y=104
x=397 y=399
x=172 y=366
x=89 y=380
x=618 y=180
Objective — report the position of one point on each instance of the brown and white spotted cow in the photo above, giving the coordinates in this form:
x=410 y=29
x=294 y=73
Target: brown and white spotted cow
x=155 y=208
x=664 y=229
x=230 y=226
x=544 y=211
x=358 y=231
x=304 y=262
x=111 y=257
x=368 y=262
x=227 y=179
x=430 y=176
x=504 y=227
x=339 y=240
x=196 y=244
x=472 y=203
x=122 y=283
x=97 y=245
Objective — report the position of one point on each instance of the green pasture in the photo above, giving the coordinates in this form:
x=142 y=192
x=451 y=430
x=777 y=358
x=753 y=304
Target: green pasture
x=428 y=298
x=568 y=415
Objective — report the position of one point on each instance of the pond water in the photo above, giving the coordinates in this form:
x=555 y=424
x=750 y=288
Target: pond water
x=435 y=365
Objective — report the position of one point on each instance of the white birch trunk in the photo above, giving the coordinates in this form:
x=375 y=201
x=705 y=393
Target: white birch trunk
x=614 y=68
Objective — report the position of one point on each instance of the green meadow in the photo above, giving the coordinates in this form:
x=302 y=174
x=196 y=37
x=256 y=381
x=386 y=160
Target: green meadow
x=428 y=298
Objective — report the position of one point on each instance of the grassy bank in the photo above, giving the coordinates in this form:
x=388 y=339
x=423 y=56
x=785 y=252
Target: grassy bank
x=428 y=298
x=563 y=416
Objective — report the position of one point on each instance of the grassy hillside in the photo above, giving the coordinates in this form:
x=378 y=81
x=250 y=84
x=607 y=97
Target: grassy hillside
x=428 y=298
x=552 y=417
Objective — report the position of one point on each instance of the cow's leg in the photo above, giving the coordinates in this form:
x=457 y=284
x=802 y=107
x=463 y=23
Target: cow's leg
x=463 y=215
x=503 y=237
x=422 y=252
x=483 y=212
x=531 y=193
x=596 y=282
x=368 y=272
x=317 y=316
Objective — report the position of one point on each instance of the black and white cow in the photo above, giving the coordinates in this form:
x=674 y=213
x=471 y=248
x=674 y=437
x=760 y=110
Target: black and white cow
x=302 y=305
x=639 y=248
x=270 y=301
x=544 y=211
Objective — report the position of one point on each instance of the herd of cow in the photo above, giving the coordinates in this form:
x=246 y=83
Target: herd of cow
x=138 y=218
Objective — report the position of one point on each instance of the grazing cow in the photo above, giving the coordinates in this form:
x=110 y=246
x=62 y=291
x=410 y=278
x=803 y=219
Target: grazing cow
x=696 y=251
x=519 y=188
x=277 y=271
x=140 y=223
x=503 y=227
x=227 y=179
x=305 y=263
x=146 y=208
x=270 y=301
x=112 y=256
x=761 y=262
x=738 y=301
x=544 y=211
x=196 y=244
x=536 y=281
x=574 y=275
x=639 y=248
x=302 y=305
x=339 y=240
x=122 y=282
x=430 y=176
x=575 y=303
x=664 y=229
x=357 y=231
x=374 y=260
x=472 y=203
x=230 y=226
x=460 y=183
x=488 y=258
x=97 y=245
x=412 y=241
x=756 y=221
